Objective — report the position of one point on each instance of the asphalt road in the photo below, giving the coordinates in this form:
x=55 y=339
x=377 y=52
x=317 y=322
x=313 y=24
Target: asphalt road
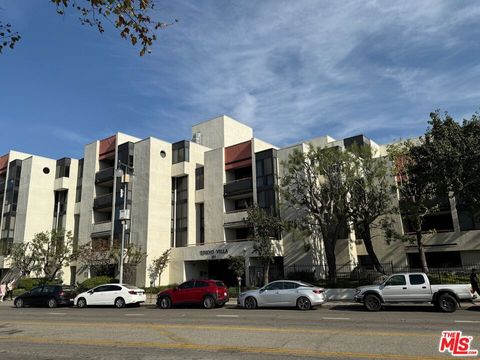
x=329 y=332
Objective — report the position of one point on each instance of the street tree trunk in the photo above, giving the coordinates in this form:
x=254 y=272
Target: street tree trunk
x=331 y=262
x=367 y=240
x=266 y=269
x=421 y=251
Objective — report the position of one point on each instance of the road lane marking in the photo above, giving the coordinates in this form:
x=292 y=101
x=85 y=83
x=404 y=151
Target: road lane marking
x=227 y=316
x=213 y=327
x=467 y=321
x=335 y=318
x=214 y=348
x=57 y=313
x=134 y=314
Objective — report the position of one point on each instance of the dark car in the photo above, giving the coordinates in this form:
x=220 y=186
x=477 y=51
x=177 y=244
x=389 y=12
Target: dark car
x=47 y=295
x=209 y=293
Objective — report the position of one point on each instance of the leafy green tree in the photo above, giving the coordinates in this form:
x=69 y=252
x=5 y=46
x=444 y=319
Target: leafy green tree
x=266 y=228
x=453 y=153
x=158 y=265
x=23 y=259
x=316 y=185
x=417 y=196
x=237 y=265
x=371 y=197
x=131 y=17
x=50 y=251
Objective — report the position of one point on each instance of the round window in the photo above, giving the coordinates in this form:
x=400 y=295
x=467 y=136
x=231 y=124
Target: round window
x=163 y=154
x=46 y=170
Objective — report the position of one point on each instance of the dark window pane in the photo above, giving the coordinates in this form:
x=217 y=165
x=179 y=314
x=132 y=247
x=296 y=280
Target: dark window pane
x=416 y=279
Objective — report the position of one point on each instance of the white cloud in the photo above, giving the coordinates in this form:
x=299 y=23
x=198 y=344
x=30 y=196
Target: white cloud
x=290 y=68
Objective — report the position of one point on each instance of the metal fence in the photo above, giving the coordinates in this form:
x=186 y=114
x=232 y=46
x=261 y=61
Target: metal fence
x=358 y=273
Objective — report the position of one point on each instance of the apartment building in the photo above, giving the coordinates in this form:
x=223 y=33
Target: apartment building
x=192 y=196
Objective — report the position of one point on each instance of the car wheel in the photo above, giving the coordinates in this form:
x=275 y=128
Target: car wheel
x=372 y=303
x=81 y=303
x=18 y=303
x=119 y=303
x=208 y=302
x=250 y=303
x=303 y=303
x=447 y=303
x=165 y=303
x=52 y=303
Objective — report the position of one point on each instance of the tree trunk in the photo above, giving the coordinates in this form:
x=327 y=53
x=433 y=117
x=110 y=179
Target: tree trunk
x=421 y=252
x=331 y=262
x=367 y=240
x=266 y=268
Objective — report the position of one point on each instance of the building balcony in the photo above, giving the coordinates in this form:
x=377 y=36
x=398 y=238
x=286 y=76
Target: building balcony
x=105 y=176
x=102 y=227
x=238 y=187
x=103 y=202
x=235 y=218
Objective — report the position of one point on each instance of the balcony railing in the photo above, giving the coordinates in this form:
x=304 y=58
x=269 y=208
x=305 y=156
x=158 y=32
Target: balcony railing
x=103 y=202
x=104 y=175
x=238 y=187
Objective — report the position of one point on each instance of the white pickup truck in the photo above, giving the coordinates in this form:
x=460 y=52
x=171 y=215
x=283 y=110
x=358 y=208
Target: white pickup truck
x=412 y=288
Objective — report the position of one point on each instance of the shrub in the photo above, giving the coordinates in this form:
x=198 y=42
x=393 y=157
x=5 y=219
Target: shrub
x=95 y=281
x=29 y=283
x=307 y=276
x=157 y=289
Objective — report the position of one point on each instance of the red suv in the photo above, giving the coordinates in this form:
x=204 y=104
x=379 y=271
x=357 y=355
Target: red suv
x=209 y=293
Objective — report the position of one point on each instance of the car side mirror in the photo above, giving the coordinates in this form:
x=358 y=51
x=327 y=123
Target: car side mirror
x=175 y=288
x=262 y=290
x=90 y=292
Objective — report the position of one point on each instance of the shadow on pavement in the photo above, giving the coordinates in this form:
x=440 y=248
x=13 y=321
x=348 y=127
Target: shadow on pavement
x=388 y=308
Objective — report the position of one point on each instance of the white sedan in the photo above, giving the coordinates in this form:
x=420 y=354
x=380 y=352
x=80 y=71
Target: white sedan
x=111 y=294
x=283 y=293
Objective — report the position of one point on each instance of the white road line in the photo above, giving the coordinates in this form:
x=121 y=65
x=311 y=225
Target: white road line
x=467 y=321
x=229 y=316
x=134 y=314
x=335 y=318
x=57 y=313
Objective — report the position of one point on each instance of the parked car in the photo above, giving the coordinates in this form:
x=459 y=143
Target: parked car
x=111 y=294
x=209 y=293
x=412 y=288
x=283 y=293
x=46 y=295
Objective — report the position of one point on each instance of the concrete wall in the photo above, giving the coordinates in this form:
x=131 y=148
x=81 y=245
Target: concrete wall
x=214 y=202
x=151 y=192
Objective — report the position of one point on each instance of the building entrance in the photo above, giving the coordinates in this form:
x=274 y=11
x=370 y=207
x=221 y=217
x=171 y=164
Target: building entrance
x=210 y=269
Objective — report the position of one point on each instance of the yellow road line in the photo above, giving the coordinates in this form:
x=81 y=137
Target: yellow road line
x=215 y=348
x=223 y=328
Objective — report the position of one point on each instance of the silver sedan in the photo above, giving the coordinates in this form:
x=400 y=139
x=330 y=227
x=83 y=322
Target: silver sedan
x=283 y=293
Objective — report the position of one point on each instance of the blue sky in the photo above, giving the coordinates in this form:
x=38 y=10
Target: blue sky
x=290 y=69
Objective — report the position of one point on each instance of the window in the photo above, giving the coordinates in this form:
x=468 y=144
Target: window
x=48 y=289
x=290 y=285
x=101 y=288
x=36 y=290
x=396 y=280
x=113 y=288
x=199 y=173
x=186 y=285
x=416 y=279
x=200 y=284
x=181 y=210
x=180 y=152
x=275 y=286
